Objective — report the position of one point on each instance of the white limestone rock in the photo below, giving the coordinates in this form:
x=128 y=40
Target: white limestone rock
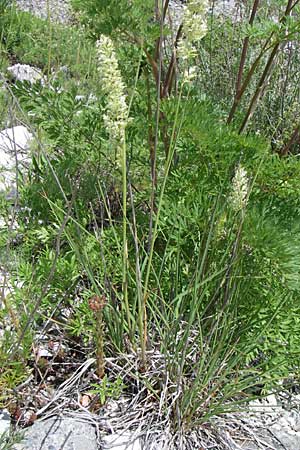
x=24 y=72
x=14 y=153
x=15 y=139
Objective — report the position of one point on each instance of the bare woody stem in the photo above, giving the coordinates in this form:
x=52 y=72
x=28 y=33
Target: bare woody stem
x=260 y=87
x=166 y=90
x=154 y=66
x=241 y=87
x=263 y=81
x=160 y=18
x=245 y=48
x=247 y=80
x=295 y=137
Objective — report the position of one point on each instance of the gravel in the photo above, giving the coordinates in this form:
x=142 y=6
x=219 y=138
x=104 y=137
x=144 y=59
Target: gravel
x=60 y=10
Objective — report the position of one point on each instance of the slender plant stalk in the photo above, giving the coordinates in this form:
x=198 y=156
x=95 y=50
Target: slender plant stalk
x=153 y=150
x=49 y=39
x=50 y=276
x=151 y=137
x=136 y=40
x=245 y=48
x=156 y=10
x=247 y=80
x=78 y=52
x=287 y=73
x=166 y=91
x=142 y=313
x=242 y=64
x=125 y=243
x=160 y=201
x=160 y=14
x=100 y=358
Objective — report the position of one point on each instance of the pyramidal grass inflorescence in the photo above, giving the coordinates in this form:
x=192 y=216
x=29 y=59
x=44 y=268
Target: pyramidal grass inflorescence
x=194 y=28
x=116 y=116
x=240 y=189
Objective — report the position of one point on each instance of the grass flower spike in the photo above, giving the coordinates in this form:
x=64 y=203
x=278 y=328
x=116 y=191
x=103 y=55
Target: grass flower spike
x=116 y=117
x=240 y=189
x=194 y=28
x=115 y=120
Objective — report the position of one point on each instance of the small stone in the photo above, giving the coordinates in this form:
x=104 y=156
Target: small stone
x=79 y=98
x=124 y=441
x=268 y=405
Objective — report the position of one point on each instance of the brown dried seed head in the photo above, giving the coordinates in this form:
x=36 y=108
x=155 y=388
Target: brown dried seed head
x=96 y=303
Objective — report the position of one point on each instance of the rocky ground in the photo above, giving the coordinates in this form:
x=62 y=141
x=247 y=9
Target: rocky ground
x=59 y=10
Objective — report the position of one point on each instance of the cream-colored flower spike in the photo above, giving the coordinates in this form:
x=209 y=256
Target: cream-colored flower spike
x=240 y=189
x=116 y=117
x=194 y=28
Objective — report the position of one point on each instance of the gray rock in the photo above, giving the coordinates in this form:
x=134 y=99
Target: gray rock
x=59 y=433
x=80 y=98
x=287 y=430
x=226 y=8
x=4 y=422
x=274 y=426
x=24 y=72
